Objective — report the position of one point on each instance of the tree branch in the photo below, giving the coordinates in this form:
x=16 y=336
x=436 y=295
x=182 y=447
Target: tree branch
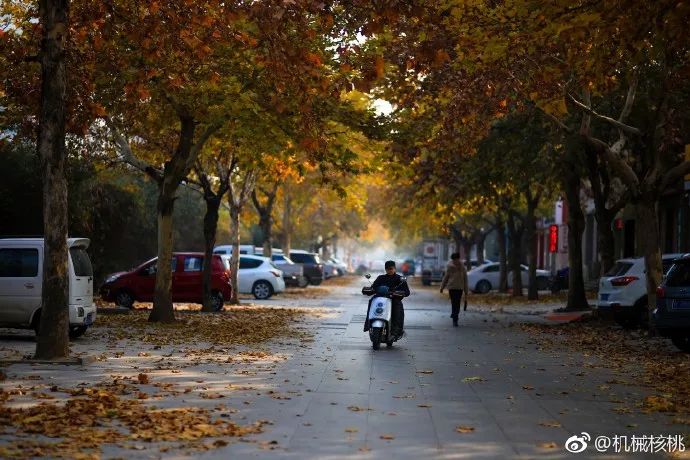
x=618 y=165
x=620 y=125
x=127 y=156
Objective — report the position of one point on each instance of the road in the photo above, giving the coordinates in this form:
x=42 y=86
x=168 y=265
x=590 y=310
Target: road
x=482 y=390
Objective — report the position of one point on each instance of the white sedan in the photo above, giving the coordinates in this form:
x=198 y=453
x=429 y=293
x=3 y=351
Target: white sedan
x=258 y=276
x=486 y=277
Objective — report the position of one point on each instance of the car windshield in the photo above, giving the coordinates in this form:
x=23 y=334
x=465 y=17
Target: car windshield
x=619 y=269
x=679 y=275
x=281 y=259
x=304 y=258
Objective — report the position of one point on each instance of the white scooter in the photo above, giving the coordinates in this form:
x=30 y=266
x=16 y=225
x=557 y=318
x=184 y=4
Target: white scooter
x=380 y=312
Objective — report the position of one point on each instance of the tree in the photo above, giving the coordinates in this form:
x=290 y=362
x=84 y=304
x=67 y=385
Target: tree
x=213 y=198
x=53 y=339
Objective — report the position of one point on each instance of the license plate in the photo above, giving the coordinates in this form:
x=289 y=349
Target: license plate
x=604 y=296
x=88 y=321
x=681 y=304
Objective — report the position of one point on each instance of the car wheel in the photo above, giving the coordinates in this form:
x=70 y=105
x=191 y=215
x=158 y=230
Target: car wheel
x=302 y=282
x=77 y=331
x=315 y=281
x=124 y=298
x=542 y=283
x=483 y=287
x=217 y=301
x=262 y=290
x=36 y=322
x=682 y=342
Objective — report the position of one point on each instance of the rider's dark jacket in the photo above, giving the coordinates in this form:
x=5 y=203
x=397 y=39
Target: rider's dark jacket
x=393 y=282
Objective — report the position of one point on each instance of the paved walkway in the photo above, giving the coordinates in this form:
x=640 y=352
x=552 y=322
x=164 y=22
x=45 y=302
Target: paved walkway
x=509 y=399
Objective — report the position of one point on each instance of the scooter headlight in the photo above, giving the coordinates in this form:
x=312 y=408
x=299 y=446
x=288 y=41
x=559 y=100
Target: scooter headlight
x=379 y=310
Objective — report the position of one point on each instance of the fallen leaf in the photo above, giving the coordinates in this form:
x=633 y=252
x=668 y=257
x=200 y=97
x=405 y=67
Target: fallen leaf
x=547 y=445
x=550 y=424
x=464 y=429
x=143 y=378
x=388 y=437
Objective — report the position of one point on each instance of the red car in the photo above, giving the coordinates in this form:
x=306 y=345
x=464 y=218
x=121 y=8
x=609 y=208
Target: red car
x=124 y=288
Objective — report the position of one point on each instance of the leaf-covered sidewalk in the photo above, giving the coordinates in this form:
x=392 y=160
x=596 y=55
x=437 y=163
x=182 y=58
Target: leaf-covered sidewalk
x=157 y=387
x=636 y=357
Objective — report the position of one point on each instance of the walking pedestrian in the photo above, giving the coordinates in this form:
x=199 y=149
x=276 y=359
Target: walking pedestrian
x=455 y=280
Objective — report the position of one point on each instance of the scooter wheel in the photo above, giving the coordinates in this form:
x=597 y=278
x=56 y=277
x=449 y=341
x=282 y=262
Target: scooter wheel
x=389 y=344
x=375 y=335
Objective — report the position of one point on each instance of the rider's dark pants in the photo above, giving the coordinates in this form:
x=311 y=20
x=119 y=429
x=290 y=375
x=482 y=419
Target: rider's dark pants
x=397 y=317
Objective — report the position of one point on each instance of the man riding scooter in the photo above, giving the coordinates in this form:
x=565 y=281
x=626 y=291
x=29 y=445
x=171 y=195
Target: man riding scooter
x=394 y=282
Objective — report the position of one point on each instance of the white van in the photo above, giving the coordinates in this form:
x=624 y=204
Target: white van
x=21 y=283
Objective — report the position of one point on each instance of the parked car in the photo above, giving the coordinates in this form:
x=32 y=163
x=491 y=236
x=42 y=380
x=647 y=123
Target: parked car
x=293 y=273
x=137 y=285
x=340 y=267
x=227 y=249
x=484 y=278
x=258 y=276
x=21 y=284
x=329 y=269
x=672 y=314
x=560 y=280
x=623 y=291
x=313 y=267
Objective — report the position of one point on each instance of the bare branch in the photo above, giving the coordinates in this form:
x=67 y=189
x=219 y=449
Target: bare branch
x=127 y=156
x=621 y=126
x=629 y=100
x=617 y=164
x=586 y=118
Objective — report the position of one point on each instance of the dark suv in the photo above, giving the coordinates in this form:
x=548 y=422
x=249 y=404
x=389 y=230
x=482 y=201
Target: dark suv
x=672 y=314
x=313 y=268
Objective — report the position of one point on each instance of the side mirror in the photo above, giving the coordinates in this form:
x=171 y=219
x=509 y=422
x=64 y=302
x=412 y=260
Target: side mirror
x=367 y=276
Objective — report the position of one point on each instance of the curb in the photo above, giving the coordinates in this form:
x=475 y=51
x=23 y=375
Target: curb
x=71 y=361
x=567 y=317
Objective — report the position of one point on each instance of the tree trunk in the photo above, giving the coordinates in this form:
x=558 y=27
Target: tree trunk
x=235 y=259
x=53 y=339
x=601 y=189
x=467 y=247
x=531 y=240
x=162 y=304
x=577 y=299
x=502 y=256
x=287 y=223
x=646 y=210
x=515 y=233
x=479 y=242
x=605 y=240
x=210 y=227
x=266 y=224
